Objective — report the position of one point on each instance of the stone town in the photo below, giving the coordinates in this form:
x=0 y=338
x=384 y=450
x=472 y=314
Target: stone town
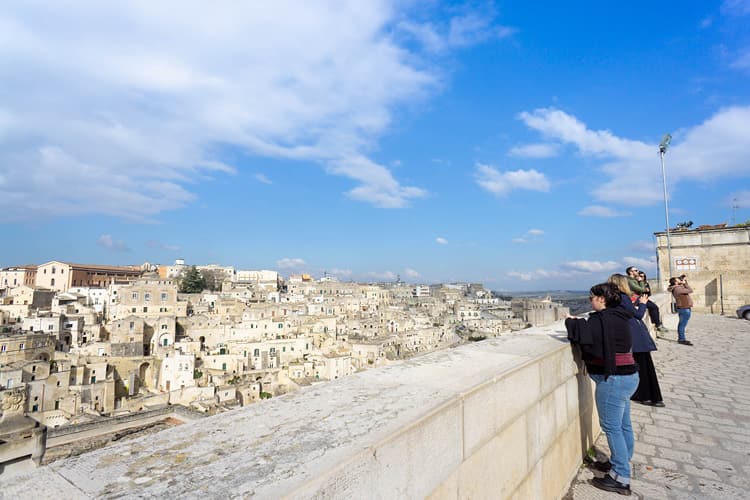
x=84 y=343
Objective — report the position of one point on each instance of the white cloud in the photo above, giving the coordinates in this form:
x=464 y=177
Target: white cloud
x=540 y=274
x=109 y=243
x=163 y=246
x=647 y=264
x=290 y=263
x=643 y=246
x=541 y=150
x=501 y=183
x=382 y=276
x=341 y=273
x=411 y=273
x=717 y=148
x=262 y=179
x=441 y=241
x=592 y=266
x=530 y=234
x=601 y=211
x=130 y=101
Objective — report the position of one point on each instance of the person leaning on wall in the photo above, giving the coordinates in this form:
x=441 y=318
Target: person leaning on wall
x=649 y=391
x=605 y=344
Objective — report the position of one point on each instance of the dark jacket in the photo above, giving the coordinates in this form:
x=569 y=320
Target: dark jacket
x=642 y=341
x=604 y=334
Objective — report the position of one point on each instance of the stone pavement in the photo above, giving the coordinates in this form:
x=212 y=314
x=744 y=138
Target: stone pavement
x=699 y=445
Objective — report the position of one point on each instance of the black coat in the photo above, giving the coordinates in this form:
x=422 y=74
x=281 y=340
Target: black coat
x=603 y=335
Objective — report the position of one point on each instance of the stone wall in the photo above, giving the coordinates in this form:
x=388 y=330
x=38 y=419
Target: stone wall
x=720 y=274
x=509 y=417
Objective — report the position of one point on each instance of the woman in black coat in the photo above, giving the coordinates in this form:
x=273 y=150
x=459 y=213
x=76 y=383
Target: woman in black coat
x=648 y=392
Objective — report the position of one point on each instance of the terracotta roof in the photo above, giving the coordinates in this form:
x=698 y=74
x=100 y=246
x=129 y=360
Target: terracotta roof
x=99 y=267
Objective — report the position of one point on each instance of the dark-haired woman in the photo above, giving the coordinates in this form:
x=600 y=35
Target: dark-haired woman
x=605 y=343
x=648 y=392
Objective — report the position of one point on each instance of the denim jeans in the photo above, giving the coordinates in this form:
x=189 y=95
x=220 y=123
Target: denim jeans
x=684 y=315
x=613 y=404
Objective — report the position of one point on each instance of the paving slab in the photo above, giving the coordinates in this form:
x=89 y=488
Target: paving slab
x=697 y=447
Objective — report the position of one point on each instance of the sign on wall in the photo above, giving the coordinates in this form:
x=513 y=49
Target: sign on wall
x=686 y=263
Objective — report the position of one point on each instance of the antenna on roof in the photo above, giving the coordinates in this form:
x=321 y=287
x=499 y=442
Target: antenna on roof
x=734 y=210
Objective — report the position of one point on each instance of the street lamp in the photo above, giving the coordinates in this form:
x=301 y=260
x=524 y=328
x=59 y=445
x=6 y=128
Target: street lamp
x=663 y=146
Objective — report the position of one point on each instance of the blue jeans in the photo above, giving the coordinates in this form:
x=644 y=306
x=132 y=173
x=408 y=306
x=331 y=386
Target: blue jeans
x=684 y=315
x=613 y=404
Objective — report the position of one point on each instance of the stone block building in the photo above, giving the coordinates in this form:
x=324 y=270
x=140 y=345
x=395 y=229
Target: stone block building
x=716 y=262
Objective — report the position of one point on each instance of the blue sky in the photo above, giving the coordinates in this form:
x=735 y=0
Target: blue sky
x=514 y=145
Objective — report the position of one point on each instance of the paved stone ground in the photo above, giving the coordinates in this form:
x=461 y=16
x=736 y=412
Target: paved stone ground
x=699 y=445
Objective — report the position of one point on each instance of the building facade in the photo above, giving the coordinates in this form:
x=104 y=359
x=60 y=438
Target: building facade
x=715 y=261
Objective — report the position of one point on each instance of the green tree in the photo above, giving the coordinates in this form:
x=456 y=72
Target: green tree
x=192 y=281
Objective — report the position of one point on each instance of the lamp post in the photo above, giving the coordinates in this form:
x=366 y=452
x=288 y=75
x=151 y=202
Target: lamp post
x=663 y=146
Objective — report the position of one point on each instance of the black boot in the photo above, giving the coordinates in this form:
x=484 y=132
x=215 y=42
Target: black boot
x=607 y=483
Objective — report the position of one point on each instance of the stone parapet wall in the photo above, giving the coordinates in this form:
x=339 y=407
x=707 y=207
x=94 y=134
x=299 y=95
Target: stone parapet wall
x=509 y=417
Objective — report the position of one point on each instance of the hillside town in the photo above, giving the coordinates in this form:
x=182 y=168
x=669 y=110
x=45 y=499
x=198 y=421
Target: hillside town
x=82 y=343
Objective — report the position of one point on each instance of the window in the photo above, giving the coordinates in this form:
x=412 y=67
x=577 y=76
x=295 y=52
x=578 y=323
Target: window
x=93 y=379
x=273 y=350
x=50 y=327
x=132 y=325
x=52 y=282
x=163 y=297
x=132 y=310
x=145 y=309
x=3 y=348
x=164 y=327
x=256 y=352
x=35 y=408
x=281 y=325
x=53 y=269
x=21 y=346
x=134 y=295
x=147 y=297
x=165 y=342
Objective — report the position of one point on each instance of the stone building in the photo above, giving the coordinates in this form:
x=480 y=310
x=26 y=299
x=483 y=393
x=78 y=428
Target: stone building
x=61 y=276
x=716 y=262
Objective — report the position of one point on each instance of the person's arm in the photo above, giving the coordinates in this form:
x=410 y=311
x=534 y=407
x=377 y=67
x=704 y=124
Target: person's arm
x=636 y=286
x=640 y=307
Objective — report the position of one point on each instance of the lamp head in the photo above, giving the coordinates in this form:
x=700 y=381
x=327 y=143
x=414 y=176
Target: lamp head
x=664 y=144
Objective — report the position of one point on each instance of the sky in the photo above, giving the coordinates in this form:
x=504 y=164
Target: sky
x=509 y=143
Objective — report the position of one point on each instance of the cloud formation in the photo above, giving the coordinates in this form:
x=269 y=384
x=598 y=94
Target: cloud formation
x=592 y=269
x=411 y=274
x=106 y=241
x=290 y=263
x=717 y=148
x=441 y=241
x=502 y=183
x=262 y=179
x=541 y=150
x=131 y=102
x=601 y=211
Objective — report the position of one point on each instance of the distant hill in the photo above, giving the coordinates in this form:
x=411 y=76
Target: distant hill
x=576 y=300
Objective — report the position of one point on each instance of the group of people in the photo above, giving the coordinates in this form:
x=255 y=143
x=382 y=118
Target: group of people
x=616 y=346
